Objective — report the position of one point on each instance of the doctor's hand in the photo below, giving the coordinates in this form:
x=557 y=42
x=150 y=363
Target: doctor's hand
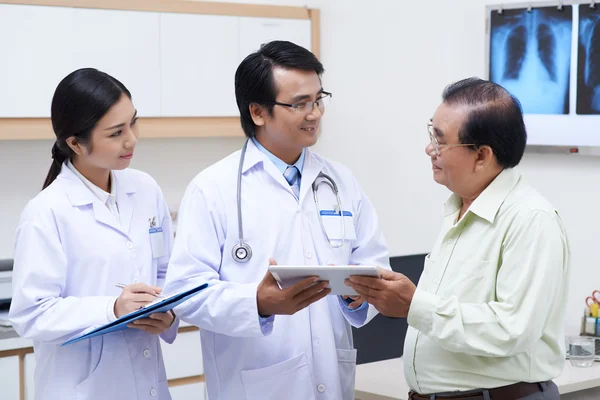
x=156 y=324
x=133 y=297
x=391 y=295
x=357 y=301
x=272 y=300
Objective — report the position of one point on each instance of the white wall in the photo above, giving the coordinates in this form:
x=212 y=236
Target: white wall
x=386 y=63
x=172 y=162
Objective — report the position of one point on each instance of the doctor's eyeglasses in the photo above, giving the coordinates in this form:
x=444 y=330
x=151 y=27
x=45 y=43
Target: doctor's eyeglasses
x=438 y=146
x=308 y=106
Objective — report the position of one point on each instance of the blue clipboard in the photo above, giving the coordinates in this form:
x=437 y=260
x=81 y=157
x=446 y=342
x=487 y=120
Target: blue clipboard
x=144 y=312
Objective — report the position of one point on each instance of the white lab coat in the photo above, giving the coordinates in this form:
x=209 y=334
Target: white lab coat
x=308 y=355
x=70 y=251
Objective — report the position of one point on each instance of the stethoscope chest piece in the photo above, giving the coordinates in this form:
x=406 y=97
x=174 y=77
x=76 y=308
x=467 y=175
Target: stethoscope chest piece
x=241 y=252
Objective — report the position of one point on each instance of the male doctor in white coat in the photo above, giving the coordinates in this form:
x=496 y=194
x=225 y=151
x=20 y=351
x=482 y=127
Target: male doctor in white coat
x=260 y=341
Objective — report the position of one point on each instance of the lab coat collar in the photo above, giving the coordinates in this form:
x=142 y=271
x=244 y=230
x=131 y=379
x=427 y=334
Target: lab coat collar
x=80 y=195
x=280 y=164
x=312 y=166
x=253 y=157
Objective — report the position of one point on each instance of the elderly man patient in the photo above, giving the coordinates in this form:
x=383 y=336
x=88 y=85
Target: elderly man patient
x=481 y=322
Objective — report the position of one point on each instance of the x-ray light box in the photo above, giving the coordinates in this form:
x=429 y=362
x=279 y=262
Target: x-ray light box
x=547 y=54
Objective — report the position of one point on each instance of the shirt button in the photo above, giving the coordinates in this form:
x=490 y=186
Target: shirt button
x=316 y=341
x=321 y=388
x=147 y=353
x=153 y=392
x=129 y=245
x=308 y=254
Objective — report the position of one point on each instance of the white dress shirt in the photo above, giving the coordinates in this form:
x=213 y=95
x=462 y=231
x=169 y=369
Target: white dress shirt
x=490 y=305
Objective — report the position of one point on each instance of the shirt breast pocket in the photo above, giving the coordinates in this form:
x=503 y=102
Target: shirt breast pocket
x=469 y=280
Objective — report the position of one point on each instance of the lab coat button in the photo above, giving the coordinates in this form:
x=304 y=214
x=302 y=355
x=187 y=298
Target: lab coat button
x=153 y=392
x=147 y=353
x=321 y=388
x=308 y=254
x=316 y=341
x=129 y=245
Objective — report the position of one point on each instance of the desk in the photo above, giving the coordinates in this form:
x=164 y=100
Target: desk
x=384 y=380
x=183 y=363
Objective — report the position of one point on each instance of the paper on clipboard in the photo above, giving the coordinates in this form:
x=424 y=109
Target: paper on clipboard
x=158 y=306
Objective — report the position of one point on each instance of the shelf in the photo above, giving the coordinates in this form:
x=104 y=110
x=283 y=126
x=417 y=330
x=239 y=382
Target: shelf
x=41 y=128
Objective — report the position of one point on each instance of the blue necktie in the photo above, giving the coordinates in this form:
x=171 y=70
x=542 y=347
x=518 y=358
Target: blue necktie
x=292 y=176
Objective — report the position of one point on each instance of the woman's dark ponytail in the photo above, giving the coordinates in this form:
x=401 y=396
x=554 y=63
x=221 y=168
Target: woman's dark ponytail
x=58 y=158
x=81 y=99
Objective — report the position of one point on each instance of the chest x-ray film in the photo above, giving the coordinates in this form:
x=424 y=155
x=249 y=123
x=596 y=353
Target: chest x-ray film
x=549 y=58
x=588 y=61
x=530 y=55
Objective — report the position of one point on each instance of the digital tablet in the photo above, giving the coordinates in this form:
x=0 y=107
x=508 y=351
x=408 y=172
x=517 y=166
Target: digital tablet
x=287 y=275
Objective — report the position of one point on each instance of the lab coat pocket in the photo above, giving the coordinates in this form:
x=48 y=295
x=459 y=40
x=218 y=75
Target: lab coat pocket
x=96 y=344
x=347 y=368
x=289 y=379
x=338 y=251
x=95 y=353
x=337 y=228
x=111 y=366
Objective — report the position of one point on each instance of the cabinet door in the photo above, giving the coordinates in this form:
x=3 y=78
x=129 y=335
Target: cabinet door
x=199 y=56
x=125 y=45
x=9 y=377
x=29 y=373
x=194 y=391
x=256 y=31
x=36 y=53
x=183 y=358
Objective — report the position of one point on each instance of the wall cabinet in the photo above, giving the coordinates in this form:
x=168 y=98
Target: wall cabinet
x=177 y=58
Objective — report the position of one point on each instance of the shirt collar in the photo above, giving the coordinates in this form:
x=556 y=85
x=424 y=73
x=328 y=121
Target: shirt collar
x=487 y=204
x=99 y=193
x=281 y=165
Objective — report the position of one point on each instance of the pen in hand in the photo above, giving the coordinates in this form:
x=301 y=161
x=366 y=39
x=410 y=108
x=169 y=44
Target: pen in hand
x=122 y=286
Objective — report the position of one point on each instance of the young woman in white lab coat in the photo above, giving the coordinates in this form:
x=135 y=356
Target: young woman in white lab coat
x=88 y=230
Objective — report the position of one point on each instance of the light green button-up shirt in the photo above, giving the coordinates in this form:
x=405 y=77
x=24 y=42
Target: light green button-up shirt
x=490 y=305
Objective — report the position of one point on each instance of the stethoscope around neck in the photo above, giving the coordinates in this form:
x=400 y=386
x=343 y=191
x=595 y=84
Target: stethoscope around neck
x=242 y=252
